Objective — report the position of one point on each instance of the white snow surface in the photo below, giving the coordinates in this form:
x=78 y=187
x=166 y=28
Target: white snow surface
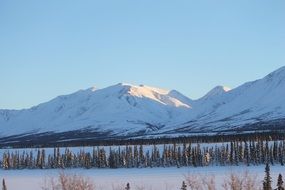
x=218 y=90
x=126 y=108
x=144 y=178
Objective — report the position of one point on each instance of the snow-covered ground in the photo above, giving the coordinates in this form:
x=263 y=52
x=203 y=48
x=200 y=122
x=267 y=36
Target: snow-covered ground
x=149 y=178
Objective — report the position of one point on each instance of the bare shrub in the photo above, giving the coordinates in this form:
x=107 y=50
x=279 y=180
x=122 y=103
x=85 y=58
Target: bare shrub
x=241 y=182
x=68 y=182
x=251 y=182
x=208 y=182
x=234 y=182
x=194 y=182
x=200 y=182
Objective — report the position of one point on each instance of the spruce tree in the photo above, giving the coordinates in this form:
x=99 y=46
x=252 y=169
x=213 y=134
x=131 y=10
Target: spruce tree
x=184 y=186
x=267 y=179
x=280 y=183
x=246 y=153
x=128 y=187
x=4 y=187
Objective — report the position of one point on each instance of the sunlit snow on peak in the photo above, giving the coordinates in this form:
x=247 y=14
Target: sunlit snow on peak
x=93 y=88
x=226 y=89
x=156 y=94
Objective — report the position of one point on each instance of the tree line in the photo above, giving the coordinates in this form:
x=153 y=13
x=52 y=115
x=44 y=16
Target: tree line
x=138 y=156
x=87 y=138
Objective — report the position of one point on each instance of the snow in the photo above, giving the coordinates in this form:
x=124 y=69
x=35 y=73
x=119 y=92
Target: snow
x=127 y=109
x=177 y=95
x=155 y=178
x=218 y=90
x=260 y=100
x=150 y=178
x=121 y=107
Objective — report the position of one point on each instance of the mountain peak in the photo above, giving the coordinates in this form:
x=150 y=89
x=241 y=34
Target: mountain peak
x=124 y=84
x=161 y=96
x=277 y=73
x=141 y=89
x=218 y=90
x=93 y=88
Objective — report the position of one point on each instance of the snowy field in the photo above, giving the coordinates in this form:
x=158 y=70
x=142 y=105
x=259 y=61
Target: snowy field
x=157 y=178
x=145 y=178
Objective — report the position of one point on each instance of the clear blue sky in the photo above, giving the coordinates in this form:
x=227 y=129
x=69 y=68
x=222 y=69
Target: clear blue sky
x=49 y=48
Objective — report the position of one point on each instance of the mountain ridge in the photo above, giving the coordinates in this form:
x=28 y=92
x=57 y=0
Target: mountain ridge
x=129 y=110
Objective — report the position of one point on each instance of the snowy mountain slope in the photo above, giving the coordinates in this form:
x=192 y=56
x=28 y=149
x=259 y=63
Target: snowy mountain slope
x=177 y=95
x=217 y=91
x=252 y=102
x=131 y=110
x=122 y=108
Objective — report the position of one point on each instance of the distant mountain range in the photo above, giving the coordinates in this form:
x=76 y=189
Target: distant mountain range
x=130 y=111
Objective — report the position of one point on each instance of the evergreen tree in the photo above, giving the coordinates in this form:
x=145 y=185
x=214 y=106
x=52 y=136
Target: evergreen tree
x=87 y=160
x=246 y=153
x=4 y=187
x=280 y=183
x=267 y=179
x=280 y=155
x=136 y=156
x=232 y=153
x=141 y=156
x=184 y=186
x=128 y=187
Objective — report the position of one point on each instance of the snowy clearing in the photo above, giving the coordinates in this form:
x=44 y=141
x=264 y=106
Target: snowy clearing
x=149 y=178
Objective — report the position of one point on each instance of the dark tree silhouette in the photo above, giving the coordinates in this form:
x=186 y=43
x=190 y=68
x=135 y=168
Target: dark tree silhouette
x=184 y=186
x=128 y=187
x=280 y=183
x=4 y=187
x=267 y=178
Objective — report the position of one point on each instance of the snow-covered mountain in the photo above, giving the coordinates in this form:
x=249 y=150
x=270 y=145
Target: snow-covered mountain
x=122 y=108
x=130 y=110
x=254 y=102
x=217 y=91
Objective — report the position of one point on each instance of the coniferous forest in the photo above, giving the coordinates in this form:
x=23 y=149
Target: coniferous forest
x=249 y=152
